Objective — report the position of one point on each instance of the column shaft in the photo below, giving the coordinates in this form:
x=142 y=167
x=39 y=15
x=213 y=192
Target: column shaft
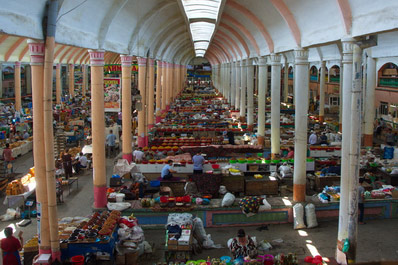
x=151 y=94
x=322 y=93
x=98 y=127
x=275 y=104
x=141 y=113
x=238 y=85
x=72 y=80
x=301 y=77
x=250 y=90
x=243 y=81
x=286 y=82
x=168 y=88
x=58 y=84
x=370 y=101
x=126 y=107
x=17 y=84
x=341 y=97
x=164 y=85
x=158 y=90
x=85 y=80
x=262 y=88
x=37 y=59
x=346 y=141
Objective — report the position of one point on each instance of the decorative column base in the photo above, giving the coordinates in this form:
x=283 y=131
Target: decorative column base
x=167 y=107
x=158 y=119
x=141 y=141
x=299 y=192
x=250 y=127
x=275 y=156
x=368 y=140
x=128 y=157
x=321 y=119
x=146 y=138
x=44 y=251
x=242 y=118
x=150 y=126
x=100 y=200
x=56 y=255
x=260 y=140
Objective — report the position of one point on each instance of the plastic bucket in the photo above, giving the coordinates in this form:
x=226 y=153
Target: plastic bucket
x=77 y=260
x=120 y=197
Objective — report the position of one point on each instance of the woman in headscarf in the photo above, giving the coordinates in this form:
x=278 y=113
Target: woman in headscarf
x=10 y=247
x=243 y=246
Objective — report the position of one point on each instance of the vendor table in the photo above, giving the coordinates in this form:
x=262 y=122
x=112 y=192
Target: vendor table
x=74 y=249
x=234 y=183
x=177 y=186
x=261 y=186
x=321 y=182
x=207 y=183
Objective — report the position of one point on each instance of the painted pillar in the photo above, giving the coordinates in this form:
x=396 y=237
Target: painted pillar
x=168 y=89
x=243 y=81
x=355 y=140
x=97 y=125
x=322 y=93
x=286 y=82
x=301 y=76
x=347 y=44
x=238 y=85
x=58 y=84
x=250 y=90
x=158 y=90
x=28 y=79
x=36 y=50
x=141 y=113
x=127 y=151
x=71 y=80
x=17 y=84
x=275 y=104
x=164 y=83
x=85 y=80
x=233 y=84
x=1 y=80
x=341 y=97
x=151 y=94
x=262 y=90
x=370 y=100
x=178 y=79
x=222 y=79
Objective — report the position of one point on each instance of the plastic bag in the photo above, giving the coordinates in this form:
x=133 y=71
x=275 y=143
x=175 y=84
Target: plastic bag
x=228 y=200
x=298 y=215
x=264 y=207
x=10 y=214
x=310 y=216
x=199 y=230
x=118 y=206
x=209 y=243
x=222 y=190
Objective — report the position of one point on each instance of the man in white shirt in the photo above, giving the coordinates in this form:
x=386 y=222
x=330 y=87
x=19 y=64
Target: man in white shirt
x=81 y=163
x=313 y=138
x=138 y=155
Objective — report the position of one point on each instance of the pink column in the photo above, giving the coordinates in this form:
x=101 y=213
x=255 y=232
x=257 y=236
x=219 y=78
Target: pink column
x=71 y=80
x=126 y=107
x=58 y=88
x=151 y=93
x=158 y=90
x=164 y=86
x=141 y=113
x=169 y=84
x=17 y=84
x=98 y=129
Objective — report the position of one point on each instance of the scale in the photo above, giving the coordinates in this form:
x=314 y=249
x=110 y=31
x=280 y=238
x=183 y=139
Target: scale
x=27 y=221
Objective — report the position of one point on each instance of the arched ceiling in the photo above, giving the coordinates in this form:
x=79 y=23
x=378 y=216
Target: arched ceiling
x=158 y=28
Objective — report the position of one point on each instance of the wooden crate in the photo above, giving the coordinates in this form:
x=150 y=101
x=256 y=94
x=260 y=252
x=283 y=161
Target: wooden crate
x=233 y=183
x=321 y=182
x=263 y=186
x=176 y=186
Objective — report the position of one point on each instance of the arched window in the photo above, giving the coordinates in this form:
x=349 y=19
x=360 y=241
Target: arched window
x=290 y=72
x=334 y=74
x=314 y=74
x=388 y=75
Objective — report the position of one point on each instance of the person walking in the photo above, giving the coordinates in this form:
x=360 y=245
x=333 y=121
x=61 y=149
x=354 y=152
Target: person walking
x=67 y=163
x=313 y=139
x=198 y=161
x=111 y=142
x=7 y=157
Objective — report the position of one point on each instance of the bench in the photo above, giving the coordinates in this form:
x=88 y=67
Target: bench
x=72 y=180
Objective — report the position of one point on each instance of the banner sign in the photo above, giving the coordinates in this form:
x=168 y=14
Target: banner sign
x=117 y=68
x=112 y=89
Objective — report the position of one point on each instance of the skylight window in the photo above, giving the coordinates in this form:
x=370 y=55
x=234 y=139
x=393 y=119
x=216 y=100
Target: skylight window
x=202 y=17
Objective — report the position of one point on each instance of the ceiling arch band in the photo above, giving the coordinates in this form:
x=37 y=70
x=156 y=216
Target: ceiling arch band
x=225 y=43
x=223 y=51
x=238 y=36
x=345 y=10
x=221 y=33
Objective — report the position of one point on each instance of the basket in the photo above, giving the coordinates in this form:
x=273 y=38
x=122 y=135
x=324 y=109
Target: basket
x=215 y=166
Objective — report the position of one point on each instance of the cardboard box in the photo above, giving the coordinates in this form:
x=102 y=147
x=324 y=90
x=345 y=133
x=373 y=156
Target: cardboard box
x=395 y=194
x=186 y=232
x=184 y=248
x=184 y=240
x=172 y=247
x=171 y=240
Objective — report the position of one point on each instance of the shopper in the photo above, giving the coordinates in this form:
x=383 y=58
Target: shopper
x=167 y=171
x=138 y=155
x=323 y=139
x=10 y=247
x=243 y=246
x=25 y=135
x=313 y=139
x=111 y=142
x=7 y=157
x=67 y=163
x=198 y=161
x=390 y=138
x=231 y=137
x=361 y=198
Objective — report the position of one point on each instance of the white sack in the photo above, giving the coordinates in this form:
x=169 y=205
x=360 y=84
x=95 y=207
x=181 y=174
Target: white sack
x=310 y=216
x=228 y=200
x=298 y=215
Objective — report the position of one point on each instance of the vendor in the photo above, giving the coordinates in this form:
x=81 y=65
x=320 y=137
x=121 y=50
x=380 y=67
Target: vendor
x=198 y=161
x=81 y=162
x=290 y=154
x=67 y=163
x=285 y=170
x=167 y=171
x=138 y=155
x=10 y=247
x=243 y=246
x=323 y=139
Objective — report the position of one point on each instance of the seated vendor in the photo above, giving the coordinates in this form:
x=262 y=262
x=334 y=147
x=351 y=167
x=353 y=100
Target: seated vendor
x=290 y=154
x=81 y=163
x=167 y=171
x=242 y=246
x=285 y=170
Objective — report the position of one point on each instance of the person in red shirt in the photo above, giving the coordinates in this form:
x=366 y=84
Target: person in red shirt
x=291 y=152
x=7 y=156
x=10 y=246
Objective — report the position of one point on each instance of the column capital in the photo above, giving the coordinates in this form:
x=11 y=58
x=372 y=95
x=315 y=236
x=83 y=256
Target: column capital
x=249 y=61
x=262 y=61
x=141 y=61
x=242 y=63
x=159 y=63
x=17 y=64
x=36 y=50
x=275 y=59
x=300 y=56
x=97 y=57
x=348 y=49
x=151 y=62
x=58 y=66
x=126 y=60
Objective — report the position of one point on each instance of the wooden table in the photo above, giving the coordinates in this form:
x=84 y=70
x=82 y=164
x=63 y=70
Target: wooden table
x=261 y=186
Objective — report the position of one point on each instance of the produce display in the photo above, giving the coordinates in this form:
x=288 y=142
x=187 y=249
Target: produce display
x=20 y=186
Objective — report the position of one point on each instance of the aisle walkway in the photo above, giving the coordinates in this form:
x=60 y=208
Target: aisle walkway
x=376 y=239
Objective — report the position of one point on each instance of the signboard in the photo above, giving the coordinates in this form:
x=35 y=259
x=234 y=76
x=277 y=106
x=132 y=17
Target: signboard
x=112 y=88
x=117 y=68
